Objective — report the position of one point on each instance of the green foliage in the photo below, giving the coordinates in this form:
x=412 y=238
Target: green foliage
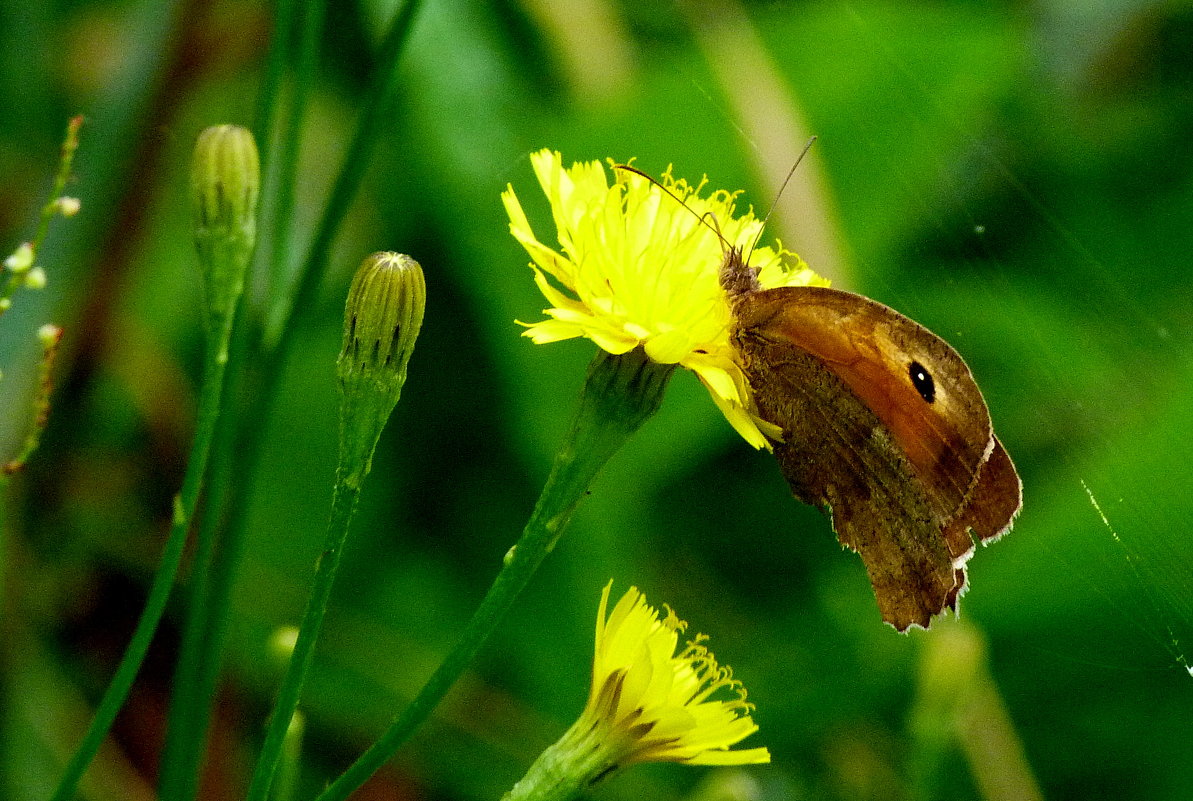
x=1020 y=184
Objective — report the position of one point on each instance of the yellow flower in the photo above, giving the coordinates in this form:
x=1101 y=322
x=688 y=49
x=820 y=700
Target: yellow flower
x=647 y=704
x=636 y=268
x=655 y=705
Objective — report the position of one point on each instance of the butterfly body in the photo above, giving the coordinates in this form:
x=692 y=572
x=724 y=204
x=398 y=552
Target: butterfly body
x=884 y=425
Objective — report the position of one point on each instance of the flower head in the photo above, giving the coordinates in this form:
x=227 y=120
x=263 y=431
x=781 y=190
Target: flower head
x=647 y=704
x=657 y=705
x=637 y=268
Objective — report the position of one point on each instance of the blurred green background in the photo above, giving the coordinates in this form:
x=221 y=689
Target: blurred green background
x=1016 y=176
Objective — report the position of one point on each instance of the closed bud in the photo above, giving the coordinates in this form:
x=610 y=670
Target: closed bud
x=382 y=319
x=68 y=206
x=225 y=177
x=225 y=181
x=49 y=335
x=21 y=259
x=35 y=278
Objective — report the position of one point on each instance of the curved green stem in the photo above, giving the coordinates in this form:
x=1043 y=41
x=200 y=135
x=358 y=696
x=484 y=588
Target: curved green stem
x=49 y=211
x=224 y=184
x=286 y=175
x=620 y=394
x=271 y=82
x=163 y=581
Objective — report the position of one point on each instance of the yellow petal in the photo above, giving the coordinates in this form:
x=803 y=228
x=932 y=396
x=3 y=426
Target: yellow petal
x=635 y=267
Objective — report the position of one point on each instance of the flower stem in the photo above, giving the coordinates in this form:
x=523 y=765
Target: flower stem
x=200 y=656
x=159 y=592
x=343 y=506
x=198 y=664
x=620 y=394
x=251 y=426
x=208 y=631
x=285 y=179
x=51 y=209
x=382 y=318
x=224 y=183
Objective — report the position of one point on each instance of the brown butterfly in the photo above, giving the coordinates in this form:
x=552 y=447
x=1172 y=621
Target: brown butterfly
x=883 y=425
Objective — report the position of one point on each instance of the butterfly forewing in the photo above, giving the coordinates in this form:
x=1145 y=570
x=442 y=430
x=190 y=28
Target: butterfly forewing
x=883 y=424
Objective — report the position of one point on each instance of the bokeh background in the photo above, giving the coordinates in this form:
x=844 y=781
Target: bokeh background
x=1017 y=176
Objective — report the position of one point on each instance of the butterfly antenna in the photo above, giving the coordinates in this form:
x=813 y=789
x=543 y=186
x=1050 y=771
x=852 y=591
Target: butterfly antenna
x=701 y=217
x=779 y=194
x=787 y=180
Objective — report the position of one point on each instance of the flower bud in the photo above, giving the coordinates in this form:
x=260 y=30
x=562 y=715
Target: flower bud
x=49 y=335
x=68 y=206
x=21 y=259
x=225 y=181
x=35 y=278
x=382 y=319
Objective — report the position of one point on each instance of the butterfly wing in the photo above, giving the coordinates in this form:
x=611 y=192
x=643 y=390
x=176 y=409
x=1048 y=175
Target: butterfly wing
x=885 y=426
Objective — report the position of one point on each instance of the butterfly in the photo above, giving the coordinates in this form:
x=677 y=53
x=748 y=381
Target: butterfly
x=883 y=426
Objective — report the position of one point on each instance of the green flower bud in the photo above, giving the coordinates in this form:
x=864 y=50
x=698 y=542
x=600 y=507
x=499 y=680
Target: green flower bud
x=21 y=259
x=225 y=181
x=68 y=206
x=35 y=278
x=49 y=335
x=382 y=318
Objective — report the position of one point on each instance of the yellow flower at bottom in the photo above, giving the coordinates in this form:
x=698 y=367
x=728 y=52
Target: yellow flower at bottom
x=656 y=705
x=648 y=703
x=636 y=268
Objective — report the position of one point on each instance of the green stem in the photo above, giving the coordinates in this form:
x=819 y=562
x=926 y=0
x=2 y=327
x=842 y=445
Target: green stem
x=5 y=559
x=343 y=506
x=577 y=761
x=70 y=144
x=198 y=666
x=289 y=769
x=621 y=393
x=200 y=656
x=383 y=315
x=252 y=427
x=271 y=81
x=51 y=209
x=163 y=581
